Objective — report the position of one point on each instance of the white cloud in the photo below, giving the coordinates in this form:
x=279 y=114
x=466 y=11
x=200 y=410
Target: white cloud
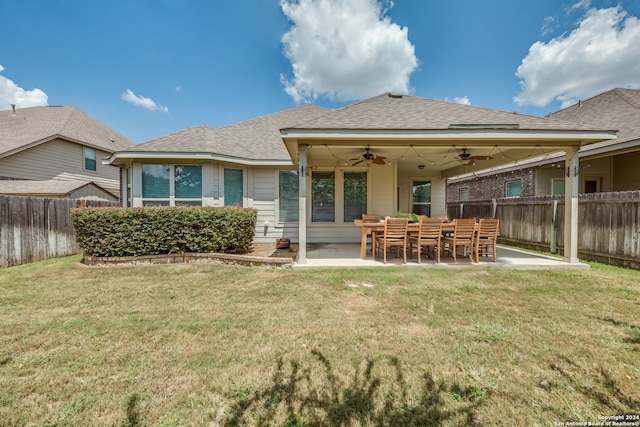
x=602 y=53
x=141 y=101
x=458 y=100
x=345 y=50
x=11 y=93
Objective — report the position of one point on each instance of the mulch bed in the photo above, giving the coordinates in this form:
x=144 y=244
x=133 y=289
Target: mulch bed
x=260 y=254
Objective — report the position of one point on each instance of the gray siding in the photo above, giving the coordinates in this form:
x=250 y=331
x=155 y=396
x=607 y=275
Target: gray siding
x=62 y=160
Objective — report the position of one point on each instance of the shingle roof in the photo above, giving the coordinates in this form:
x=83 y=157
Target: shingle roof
x=616 y=109
x=257 y=139
x=32 y=125
x=403 y=112
x=52 y=187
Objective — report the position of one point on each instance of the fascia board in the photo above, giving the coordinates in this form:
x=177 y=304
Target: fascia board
x=557 y=138
x=140 y=155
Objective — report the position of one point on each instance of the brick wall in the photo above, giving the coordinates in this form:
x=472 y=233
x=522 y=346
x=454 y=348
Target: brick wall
x=493 y=186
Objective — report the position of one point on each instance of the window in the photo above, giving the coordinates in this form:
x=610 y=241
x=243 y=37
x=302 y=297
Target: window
x=288 y=185
x=188 y=181
x=557 y=186
x=355 y=195
x=233 y=185
x=171 y=185
x=514 y=189
x=421 y=197
x=90 y=159
x=323 y=190
x=591 y=185
x=463 y=194
x=155 y=181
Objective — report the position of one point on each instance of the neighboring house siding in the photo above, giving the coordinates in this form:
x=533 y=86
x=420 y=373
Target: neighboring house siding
x=62 y=160
x=625 y=172
x=91 y=191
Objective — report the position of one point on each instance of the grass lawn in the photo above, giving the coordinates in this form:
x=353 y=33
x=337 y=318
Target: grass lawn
x=178 y=345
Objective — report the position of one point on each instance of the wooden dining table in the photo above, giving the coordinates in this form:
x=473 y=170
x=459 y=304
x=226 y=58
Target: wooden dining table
x=372 y=228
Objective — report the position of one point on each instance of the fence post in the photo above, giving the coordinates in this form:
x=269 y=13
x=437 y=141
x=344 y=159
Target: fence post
x=494 y=207
x=554 y=228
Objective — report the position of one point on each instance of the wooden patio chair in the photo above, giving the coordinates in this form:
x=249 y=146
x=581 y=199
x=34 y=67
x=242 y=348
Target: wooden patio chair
x=429 y=235
x=370 y=218
x=487 y=237
x=394 y=235
x=463 y=235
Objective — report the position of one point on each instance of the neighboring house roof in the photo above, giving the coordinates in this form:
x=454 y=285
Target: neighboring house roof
x=618 y=109
x=253 y=140
x=34 y=125
x=403 y=112
x=46 y=188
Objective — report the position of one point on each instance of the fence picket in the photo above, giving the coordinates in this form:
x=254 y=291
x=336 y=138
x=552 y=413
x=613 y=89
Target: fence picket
x=33 y=229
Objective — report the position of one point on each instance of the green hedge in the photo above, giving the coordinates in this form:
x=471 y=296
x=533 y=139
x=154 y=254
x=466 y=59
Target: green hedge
x=109 y=232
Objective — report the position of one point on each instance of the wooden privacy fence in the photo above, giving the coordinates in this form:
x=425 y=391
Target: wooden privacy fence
x=608 y=224
x=33 y=229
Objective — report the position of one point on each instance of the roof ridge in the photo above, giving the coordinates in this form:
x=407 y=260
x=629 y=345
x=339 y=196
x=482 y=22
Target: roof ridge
x=67 y=120
x=623 y=93
x=265 y=116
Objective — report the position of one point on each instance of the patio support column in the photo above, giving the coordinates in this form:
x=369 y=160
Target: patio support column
x=571 y=205
x=302 y=204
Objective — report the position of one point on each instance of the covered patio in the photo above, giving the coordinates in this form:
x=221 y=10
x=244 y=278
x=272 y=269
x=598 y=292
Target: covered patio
x=400 y=150
x=346 y=255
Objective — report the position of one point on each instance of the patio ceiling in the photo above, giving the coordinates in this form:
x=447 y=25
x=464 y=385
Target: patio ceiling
x=439 y=160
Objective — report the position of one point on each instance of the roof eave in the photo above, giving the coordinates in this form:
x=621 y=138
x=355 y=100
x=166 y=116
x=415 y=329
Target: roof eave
x=120 y=158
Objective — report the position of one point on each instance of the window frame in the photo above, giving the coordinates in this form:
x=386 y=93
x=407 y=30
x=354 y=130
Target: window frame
x=553 y=186
x=171 y=200
x=335 y=196
x=411 y=193
x=344 y=198
x=278 y=207
x=86 y=150
x=507 y=185
x=462 y=190
x=242 y=186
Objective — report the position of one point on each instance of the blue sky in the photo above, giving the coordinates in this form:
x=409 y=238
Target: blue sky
x=148 y=68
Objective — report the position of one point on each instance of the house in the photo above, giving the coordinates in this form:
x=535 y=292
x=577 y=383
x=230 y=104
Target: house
x=53 y=189
x=59 y=144
x=387 y=154
x=606 y=166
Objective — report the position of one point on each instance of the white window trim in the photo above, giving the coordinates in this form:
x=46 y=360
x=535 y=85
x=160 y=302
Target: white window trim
x=553 y=180
x=245 y=187
x=411 y=181
x=84 y=159
x=276 y=207
x=172 y=188
x=338 y=215
x=506 y=186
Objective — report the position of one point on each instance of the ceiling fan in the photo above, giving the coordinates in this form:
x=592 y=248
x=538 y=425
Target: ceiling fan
x=468 y=160
x=370 y=157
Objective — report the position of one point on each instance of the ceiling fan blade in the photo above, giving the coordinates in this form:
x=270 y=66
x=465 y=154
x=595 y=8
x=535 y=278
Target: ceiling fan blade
x=480 y=158
x=357 y=158
x=379 y=160
x=470 y=162
x=451 y=161
x=357 y=162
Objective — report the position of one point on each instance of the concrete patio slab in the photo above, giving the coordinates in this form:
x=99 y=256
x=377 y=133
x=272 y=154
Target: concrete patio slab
x=348 y=255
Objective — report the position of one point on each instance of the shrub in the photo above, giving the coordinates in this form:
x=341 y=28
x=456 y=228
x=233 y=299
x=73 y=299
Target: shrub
x=110 y=232
x=412 y=217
